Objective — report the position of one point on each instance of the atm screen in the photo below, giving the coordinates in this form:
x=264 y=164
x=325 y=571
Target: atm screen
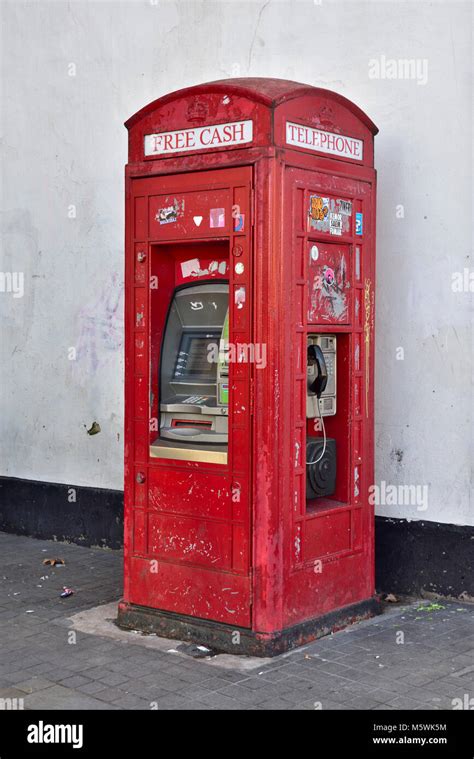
x=192 y=361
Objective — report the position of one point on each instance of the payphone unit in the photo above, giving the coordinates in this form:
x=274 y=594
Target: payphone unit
x=250 y=231
x=321 y=390
x=321 y=456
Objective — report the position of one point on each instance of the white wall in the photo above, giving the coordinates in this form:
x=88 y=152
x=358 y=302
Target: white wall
x=65 y=144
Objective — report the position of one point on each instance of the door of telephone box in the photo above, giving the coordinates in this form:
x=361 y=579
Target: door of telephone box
x=188 y=410
x=332 y=331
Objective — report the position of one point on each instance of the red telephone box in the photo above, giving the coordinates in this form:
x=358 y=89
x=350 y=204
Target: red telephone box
x=250 y=265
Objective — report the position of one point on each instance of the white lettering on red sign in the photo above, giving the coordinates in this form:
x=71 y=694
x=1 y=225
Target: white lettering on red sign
x=324 y=142
x=199 y=138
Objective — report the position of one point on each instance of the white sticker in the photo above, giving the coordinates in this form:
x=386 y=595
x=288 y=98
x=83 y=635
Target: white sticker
x=314 y=253
x=345 y=207
x=335 y=223
x=190 y=268
x=239 y=297
x=239 y=268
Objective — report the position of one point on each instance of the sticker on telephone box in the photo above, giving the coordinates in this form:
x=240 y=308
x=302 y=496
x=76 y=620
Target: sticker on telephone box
x=239 y=223
x=170 y=214
x=345 y=207
x=335 y=223
x=329 y=215
x=217 y=217
x=318 y=209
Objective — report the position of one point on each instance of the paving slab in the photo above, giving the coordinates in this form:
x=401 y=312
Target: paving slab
x=69 y=654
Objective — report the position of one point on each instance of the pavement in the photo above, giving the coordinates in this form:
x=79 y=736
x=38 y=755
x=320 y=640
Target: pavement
x=67 y=653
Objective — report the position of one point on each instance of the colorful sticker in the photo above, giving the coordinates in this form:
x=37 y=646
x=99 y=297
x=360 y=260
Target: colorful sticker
x=239 y=223
x=217 y=217
x=328 y=275
x=335 y=223
x=329 y=215
x=318 y=208
x=329 y=286
x=359 y=223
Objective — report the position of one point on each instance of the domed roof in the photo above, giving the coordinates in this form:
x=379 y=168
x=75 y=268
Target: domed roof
x=268 y=92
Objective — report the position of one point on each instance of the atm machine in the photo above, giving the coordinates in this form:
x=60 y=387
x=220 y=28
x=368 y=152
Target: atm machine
x=194 y=378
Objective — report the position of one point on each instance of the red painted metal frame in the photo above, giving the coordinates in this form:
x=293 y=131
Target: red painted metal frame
x=304 y=561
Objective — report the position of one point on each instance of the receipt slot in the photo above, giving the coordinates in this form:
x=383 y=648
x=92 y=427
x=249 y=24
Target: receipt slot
x=249 y=365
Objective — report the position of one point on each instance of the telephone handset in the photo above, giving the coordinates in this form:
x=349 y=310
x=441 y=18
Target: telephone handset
x=316 y=357
x=321 y=376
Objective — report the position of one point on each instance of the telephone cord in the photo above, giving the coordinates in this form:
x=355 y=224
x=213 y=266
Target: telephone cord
x=324 y=435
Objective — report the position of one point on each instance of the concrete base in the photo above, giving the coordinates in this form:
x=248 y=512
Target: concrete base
x=237 y=640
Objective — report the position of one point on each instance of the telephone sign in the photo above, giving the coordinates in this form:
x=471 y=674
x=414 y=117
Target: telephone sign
x=324 y=142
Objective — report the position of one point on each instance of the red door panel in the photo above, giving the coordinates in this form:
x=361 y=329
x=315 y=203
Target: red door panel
x=329 y=283
x=190 y=549
x=328 y=565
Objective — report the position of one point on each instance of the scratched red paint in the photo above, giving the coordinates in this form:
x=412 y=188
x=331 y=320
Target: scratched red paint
x=251 y=563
